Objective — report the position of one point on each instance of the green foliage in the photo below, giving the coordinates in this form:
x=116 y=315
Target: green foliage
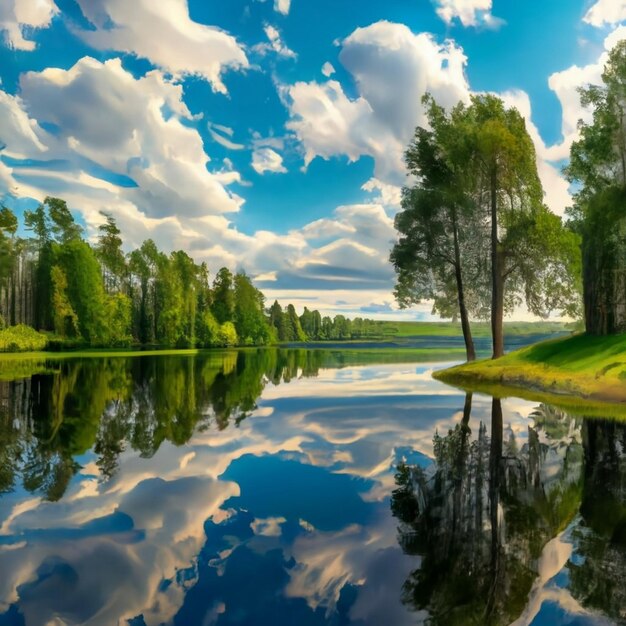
x=21 y=338
x=110 y=254
x=62 y=223
x=207 y=330
x=97 y=296
x=65 y=318
x=223 y=296
x=8 y=227
x=249 y=317
x=598 y=168
x=85 y=290
x=475 y=235
x=118 y=308
x=227 y=335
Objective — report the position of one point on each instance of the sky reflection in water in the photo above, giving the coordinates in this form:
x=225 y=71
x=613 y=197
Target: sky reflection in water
x=256 y=488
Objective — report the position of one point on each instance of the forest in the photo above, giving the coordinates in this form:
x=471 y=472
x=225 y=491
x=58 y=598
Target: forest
x=476 y=236
x=59 y=291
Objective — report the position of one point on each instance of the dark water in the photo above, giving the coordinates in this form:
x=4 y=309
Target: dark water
x=274 y=487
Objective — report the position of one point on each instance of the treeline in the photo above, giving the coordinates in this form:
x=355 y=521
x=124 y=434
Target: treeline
x=81 y=294
x=311 y=326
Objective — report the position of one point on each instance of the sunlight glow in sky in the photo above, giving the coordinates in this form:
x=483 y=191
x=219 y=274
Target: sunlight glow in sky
x=268 y=135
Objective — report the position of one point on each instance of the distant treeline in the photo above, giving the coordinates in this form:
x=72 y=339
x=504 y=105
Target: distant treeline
x=78 y=294
x=312 y=326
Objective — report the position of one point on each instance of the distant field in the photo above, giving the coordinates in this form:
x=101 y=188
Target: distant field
x=479 y=329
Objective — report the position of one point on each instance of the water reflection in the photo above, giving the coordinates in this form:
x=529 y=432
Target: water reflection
x=254 y=487
x=510 y=534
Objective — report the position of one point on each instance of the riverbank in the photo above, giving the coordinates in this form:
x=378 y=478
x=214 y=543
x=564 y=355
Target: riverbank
x=576 y=372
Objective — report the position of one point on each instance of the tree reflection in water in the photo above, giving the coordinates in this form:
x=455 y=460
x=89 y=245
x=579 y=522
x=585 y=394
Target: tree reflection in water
x=482 y=513
x=57 y=411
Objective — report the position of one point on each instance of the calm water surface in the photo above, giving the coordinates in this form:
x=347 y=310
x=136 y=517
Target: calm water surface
x=300 y=488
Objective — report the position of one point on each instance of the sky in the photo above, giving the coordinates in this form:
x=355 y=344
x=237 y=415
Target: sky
x=268 y=135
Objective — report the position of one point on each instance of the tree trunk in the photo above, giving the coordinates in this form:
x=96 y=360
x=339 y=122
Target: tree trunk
x=497 y=275
x=465 y=322
x=495 y=471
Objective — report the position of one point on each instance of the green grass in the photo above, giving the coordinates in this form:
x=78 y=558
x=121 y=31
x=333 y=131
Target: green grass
x=580 y=370
x=479 y=329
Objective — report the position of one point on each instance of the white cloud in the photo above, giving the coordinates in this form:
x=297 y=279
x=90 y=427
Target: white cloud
x=275 y=44
x=468 y=12
x=388 y=195
x=164 y=33
x=327 y=69
x=18 y=15
x=145 y=132
x=139 y=133
x=282 y=6
x=377 y=122
x=606 y=12
x=223 y=135
x=113 y=128
x=267 y=160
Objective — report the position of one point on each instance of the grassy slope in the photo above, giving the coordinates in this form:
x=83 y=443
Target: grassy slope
x=581 y=367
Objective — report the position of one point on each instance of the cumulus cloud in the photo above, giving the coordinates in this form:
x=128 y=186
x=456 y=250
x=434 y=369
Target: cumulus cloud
x=605 y=12
x=164 y=33
x=377 y=123
x=139 y=133
x=468 y=12
x=17 y=17
x=145 y=163
x=388 y=195
x=565 y=85
x=119 y=144
x=267 y=160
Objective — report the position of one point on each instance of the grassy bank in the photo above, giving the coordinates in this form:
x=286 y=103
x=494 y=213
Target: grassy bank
x=570 y=370
x=479 y=329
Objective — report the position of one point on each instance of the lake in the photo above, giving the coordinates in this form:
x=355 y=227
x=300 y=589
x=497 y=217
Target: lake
x=300 y=487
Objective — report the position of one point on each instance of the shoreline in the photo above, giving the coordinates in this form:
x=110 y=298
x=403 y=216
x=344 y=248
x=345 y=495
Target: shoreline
x=578 y=373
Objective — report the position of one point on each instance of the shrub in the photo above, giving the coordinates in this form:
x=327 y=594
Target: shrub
x=227 y=335
x=21 y=338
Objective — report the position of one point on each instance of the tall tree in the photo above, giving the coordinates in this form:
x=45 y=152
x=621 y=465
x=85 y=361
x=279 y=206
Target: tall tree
x=598 y=167
x=63 y=225
x=249 y=317
x=504 y=158
x=110 y=254
x=223 y=296
x=294 y=330
x=38 y=223
x=440 y=253
x=8 y=255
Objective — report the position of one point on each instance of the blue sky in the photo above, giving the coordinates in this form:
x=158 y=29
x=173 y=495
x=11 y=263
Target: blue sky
x=267 y=135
